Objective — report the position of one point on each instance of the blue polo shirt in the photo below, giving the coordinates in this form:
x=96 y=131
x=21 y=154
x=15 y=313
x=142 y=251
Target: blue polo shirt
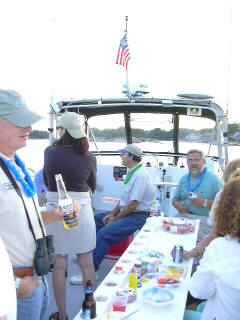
x=208 y=189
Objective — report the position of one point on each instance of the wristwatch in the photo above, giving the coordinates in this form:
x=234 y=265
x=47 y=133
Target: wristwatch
x=205 y=203
x=17 y=283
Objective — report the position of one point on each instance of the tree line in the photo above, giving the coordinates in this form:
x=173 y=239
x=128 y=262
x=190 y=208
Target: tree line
x=156 y=134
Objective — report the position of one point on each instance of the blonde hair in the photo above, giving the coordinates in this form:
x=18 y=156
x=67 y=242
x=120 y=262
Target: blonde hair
x=231 y=170
x=235 y=174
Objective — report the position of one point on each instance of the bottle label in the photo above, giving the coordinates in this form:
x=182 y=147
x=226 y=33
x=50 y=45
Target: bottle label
x=154 y=212
x=89 y=289
x=89 y=312
x=86 y=314
x=67 y=209
x=68 y=213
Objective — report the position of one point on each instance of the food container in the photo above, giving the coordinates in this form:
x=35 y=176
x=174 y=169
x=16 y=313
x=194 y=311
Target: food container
x=118 y=270
x=137 y=268
x=181 y=226
x=158 y=297
x=171 y=277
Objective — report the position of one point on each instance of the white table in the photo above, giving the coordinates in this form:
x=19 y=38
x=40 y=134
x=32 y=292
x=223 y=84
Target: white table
x=151 y=237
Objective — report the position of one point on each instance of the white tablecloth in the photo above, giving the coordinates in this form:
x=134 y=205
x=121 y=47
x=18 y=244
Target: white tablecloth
x=150 y=237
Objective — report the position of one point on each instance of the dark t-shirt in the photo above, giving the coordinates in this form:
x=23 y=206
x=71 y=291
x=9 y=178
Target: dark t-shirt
x=78 y=171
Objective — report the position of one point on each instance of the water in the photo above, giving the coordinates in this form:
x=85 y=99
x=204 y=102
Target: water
x=33 y=154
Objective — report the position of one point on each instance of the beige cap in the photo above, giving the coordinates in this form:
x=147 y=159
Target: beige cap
x=72 y=122
x=14 y=109
x=133 y=149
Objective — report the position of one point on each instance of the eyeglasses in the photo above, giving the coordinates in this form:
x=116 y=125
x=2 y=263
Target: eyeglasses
x=194 y=160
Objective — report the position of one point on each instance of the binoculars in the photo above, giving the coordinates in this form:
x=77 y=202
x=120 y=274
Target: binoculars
x=44 y=259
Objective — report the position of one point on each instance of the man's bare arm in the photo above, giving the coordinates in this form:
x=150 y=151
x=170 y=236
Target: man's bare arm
x=110 y=217
x=127 y=210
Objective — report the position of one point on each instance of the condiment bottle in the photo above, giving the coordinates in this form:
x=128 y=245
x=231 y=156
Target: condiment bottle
x=133 y=281
x=89 y=304
x=66 y=204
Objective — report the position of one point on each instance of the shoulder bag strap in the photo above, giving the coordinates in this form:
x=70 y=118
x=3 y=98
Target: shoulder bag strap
x=16 y=187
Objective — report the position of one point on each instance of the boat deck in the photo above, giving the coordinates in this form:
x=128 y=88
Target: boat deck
x=75 y=293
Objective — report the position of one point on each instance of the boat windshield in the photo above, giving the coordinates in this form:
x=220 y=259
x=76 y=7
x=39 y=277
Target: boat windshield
x=153 y=132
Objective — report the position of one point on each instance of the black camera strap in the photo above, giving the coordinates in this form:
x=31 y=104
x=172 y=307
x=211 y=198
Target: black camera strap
x=16 y=187
x=39 y=220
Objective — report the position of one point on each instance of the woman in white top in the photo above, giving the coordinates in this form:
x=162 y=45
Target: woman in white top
x=8 y=300
x=217 y=277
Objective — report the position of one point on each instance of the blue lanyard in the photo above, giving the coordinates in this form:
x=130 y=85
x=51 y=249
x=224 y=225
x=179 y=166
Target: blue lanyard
x=28 y=184
x=198 y=183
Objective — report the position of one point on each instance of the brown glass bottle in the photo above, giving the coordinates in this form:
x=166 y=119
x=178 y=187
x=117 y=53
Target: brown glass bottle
x=89 y=304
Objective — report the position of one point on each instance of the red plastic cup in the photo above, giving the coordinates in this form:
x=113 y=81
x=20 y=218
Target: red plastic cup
x=119 y=301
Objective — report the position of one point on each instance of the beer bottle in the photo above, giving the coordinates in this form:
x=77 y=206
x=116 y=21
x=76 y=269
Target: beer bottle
x=66 y=204
x=89 y=304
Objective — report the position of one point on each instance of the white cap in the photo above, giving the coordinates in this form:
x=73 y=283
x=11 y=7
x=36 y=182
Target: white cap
x=133 y=149
x=72 y=122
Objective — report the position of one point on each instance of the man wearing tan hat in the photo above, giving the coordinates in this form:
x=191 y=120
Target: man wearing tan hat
x=21 y=227
x=133 y=209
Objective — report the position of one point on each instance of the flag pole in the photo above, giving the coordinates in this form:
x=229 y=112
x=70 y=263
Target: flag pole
x=127 y=83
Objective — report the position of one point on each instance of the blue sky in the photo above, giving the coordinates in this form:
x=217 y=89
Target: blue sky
x=69 y=47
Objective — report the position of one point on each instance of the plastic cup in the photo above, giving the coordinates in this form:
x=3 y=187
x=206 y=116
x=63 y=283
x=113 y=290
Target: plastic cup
x=119 y=301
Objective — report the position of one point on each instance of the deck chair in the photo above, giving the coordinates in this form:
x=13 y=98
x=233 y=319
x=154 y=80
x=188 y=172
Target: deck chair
x=115 y=251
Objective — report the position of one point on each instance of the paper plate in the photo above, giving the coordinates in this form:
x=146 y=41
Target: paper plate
x=158 y=297
x=151 y=254
x=116 y=315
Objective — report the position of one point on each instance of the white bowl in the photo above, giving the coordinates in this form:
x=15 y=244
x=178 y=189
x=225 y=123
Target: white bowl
x=158 y=297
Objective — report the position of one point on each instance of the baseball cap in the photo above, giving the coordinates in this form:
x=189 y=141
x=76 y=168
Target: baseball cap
x=14 y=109
x=133 y=149
x=72 y=122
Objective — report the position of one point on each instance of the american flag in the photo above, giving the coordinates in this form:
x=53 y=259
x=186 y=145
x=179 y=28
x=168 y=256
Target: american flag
x=123 y=55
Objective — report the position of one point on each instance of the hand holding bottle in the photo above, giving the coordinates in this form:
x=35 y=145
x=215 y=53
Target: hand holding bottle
x=57 y=214
x=69 y=218
x=76 y=209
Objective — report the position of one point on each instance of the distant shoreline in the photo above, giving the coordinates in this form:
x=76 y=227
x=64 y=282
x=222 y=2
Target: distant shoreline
x=139 y=140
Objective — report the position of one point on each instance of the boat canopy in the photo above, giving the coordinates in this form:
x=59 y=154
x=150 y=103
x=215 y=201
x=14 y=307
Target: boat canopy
x=185 y=104
x=94 y=107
